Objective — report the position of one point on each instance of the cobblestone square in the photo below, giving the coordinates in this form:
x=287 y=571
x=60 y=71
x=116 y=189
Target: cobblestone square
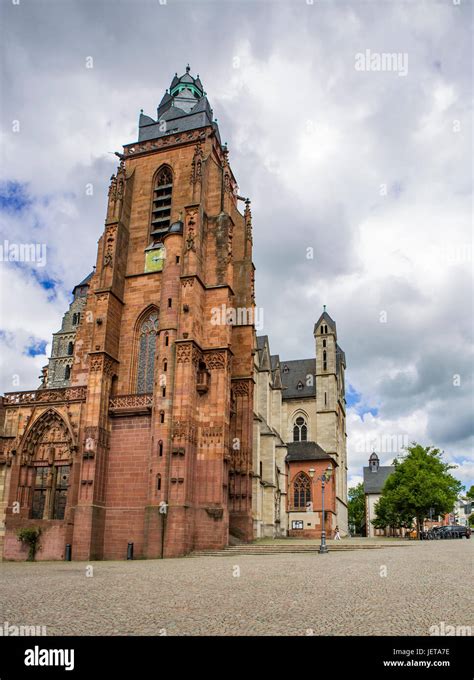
x=389 y=591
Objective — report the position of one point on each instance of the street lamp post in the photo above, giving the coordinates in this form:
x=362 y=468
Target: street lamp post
x=325 y=477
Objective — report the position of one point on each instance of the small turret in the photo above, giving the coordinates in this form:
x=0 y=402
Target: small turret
x=374 y=462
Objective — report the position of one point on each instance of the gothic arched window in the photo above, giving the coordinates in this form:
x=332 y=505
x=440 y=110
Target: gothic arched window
x=46 y=460
x=67 y=373
x=301 y=491
x=146 y=352
x=161 y=203
x=300 y=430
x=70 y=348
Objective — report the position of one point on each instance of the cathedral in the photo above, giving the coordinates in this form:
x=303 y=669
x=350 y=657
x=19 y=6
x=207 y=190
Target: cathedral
x=162 y=420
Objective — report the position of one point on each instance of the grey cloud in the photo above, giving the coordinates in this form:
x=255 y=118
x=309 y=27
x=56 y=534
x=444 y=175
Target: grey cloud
x=307 y=191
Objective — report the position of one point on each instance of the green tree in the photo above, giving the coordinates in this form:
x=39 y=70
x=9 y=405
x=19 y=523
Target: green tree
x=470 y=493
x=388 y=516
x=420 y=481
x=356 y=507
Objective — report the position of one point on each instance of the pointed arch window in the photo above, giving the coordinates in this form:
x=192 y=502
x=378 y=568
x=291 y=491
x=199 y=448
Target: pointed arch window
x=50 y=492
x=300 y=430
x=146 y=352
x=39 y=491
x=301 y=491
x=161 y=203
x=67 y=373
x=46 y=464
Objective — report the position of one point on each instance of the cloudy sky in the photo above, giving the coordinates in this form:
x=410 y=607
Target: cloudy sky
x=363 y=159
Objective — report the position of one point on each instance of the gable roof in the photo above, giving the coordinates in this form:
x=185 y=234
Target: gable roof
x=306 y=451
x=374 y=480
x=297 y=372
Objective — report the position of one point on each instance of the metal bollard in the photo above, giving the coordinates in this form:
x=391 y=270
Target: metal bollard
x=130 y=551
x=68 y=552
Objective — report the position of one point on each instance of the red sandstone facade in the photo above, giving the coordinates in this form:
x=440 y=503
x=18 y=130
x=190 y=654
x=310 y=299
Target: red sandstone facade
x=105 y=463
x=307 y=507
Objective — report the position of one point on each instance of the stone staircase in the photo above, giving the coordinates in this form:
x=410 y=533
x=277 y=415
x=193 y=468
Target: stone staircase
x=292 y=548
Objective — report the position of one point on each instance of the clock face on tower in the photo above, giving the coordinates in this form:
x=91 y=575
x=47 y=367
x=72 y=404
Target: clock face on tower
x=154 y=259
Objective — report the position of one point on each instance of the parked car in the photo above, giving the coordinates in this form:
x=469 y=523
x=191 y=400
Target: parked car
x=459 y=531
x=451 y=531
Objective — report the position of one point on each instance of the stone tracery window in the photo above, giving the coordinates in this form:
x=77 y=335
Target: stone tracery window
x=301 y=491
x=47 y=460
x=61 y=483
x=50 y=492
x=300 y=430
x=146 y=353
x=39 y=491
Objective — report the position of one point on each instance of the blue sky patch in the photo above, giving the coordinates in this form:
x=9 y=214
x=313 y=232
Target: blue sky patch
x=35 y=347
x=14 y=197
x=352 y=396
x=354 y=400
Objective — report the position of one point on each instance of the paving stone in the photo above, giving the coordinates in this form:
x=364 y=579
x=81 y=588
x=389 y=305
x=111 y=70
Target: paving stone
x=296 y=594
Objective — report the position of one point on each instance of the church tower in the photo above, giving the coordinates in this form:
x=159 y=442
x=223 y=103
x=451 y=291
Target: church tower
x=149 y=440
x=331 y=405
x=169 y=380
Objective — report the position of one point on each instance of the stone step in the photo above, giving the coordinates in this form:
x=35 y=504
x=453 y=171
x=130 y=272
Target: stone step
x=230 y=551
x=283 y=548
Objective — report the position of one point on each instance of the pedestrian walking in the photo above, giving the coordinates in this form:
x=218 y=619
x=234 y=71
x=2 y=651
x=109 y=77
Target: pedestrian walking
x=337 y=535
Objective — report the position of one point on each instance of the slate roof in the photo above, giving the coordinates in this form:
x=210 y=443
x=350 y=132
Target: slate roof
x=374 y=481
x=325 y=317
x=298 y=371
x=84 y=282
x=276 y=371
x=198 y=114
x=305 y=451
x=262 y=342
x=340 y=356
